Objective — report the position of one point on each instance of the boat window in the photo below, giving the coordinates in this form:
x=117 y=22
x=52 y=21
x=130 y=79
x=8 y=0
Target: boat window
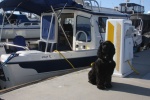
x=84 y=26
x=123 y=9
x=130 y=8
x=12 y=18
x=27 y=24
x=136 y=8
x=35 y=24
x=46 y=20
x=142 y=9
x=102 y=24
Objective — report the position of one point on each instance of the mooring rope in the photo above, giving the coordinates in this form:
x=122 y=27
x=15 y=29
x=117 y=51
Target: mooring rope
x=133 y=68
x=65 y=58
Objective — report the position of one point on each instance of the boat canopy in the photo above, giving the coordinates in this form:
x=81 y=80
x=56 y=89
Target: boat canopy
x=36 y=6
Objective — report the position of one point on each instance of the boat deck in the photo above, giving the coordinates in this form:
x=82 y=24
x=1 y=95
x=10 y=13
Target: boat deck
x=75 y=86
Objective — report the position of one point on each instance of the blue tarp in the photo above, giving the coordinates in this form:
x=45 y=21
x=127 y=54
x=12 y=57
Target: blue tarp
x=35 y=6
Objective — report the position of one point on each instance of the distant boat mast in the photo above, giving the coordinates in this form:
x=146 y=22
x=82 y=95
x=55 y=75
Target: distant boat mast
x=127 y=2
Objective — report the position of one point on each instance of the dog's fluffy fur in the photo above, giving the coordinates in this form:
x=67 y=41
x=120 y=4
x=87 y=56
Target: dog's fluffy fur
x=103 y=67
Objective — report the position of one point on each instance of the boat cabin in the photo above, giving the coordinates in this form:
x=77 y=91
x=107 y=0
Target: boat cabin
x=74 y=28
x=131 y=8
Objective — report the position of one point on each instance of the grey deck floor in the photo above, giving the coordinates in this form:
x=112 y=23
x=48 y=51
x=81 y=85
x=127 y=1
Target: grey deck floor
x=75 y=86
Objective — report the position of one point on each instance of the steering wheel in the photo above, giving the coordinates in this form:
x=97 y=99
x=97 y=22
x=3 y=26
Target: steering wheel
x=83 y=33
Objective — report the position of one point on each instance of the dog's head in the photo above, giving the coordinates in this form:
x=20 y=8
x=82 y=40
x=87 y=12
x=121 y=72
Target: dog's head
x=106 y=51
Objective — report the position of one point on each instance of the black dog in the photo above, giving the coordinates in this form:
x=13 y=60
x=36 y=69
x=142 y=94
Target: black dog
x=103 y=67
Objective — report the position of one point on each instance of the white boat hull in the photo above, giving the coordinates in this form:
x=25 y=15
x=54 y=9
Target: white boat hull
x=34 y=65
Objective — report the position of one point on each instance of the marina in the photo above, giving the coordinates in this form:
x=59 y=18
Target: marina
x=51 y=58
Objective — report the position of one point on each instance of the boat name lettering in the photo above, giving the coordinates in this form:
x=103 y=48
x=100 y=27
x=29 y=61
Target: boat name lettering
x=44 y=56
x=48 y=56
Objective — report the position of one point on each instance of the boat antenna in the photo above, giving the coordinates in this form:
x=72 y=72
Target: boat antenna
x=15 y=9
x=126 y=6
x=62 y=10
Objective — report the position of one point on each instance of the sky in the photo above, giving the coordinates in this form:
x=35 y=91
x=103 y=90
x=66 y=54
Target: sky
x=114 y=3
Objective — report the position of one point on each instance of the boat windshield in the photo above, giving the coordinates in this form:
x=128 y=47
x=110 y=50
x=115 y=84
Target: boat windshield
x=48 y=31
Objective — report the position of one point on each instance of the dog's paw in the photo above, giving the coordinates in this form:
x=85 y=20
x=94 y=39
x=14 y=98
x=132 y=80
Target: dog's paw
x=94 y=83
x=101 y=87
x=108 y=86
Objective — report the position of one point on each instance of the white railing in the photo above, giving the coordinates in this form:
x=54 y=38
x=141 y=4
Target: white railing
x=90 y=4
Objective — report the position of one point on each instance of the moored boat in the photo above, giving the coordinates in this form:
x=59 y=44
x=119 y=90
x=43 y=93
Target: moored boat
x=140 y=20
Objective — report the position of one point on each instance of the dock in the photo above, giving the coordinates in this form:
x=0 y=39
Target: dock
x=75 y=86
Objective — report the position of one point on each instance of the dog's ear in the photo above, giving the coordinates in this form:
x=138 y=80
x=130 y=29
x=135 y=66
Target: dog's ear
x=99 y=52
x=112 y=49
